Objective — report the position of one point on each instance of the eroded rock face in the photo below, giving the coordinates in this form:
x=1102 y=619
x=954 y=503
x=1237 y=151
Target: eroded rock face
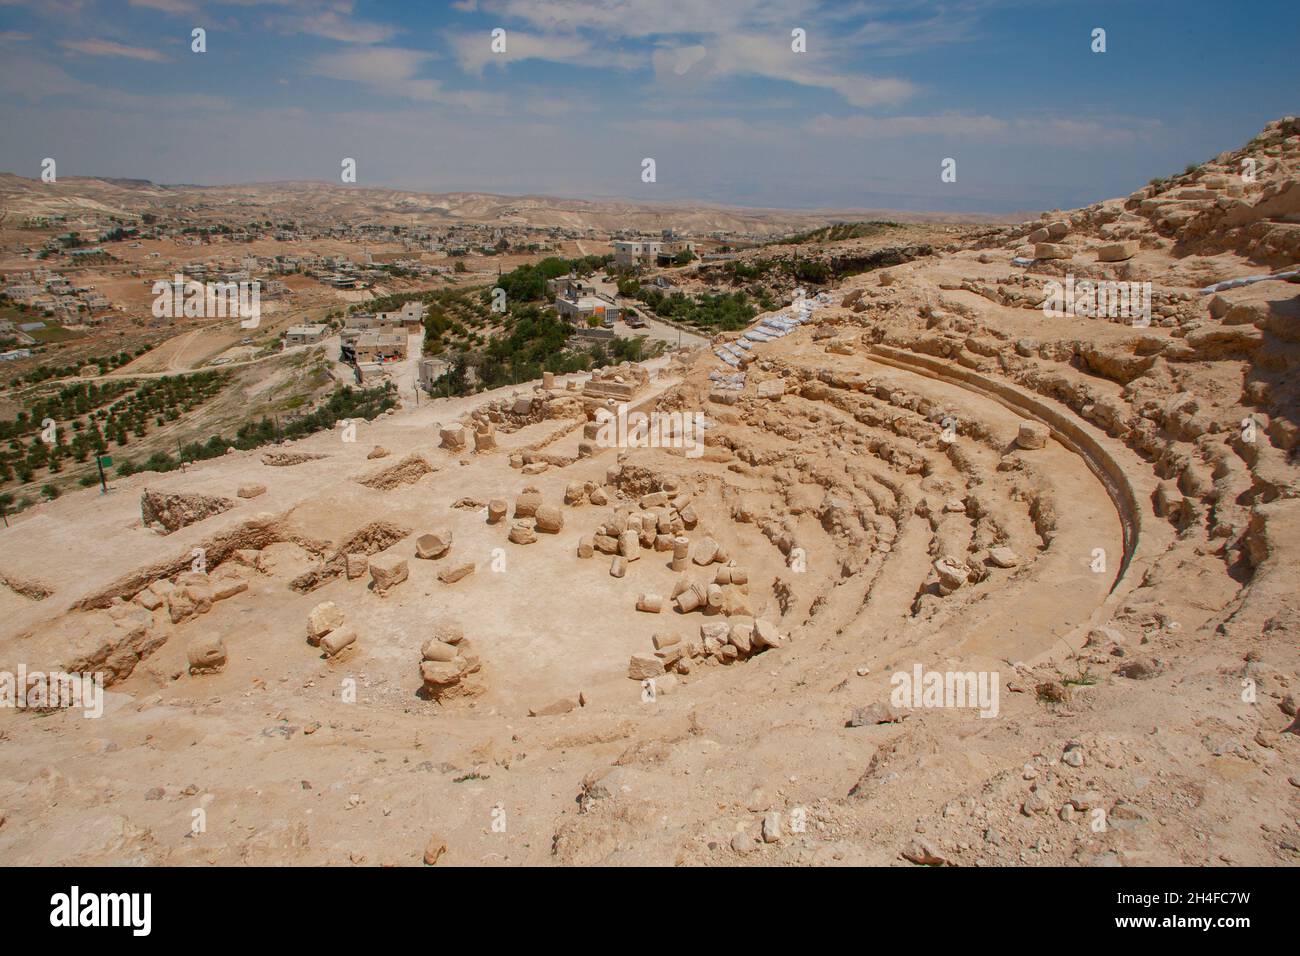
x=172 y=511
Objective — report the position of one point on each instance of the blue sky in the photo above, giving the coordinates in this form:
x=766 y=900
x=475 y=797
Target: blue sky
x=710 y=89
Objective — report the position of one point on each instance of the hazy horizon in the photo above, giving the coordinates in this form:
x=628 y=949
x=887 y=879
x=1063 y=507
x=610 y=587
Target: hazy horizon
x=505 y=194
x=585 y=90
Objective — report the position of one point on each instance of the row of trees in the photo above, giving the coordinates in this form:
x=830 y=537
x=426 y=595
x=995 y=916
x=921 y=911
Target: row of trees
x=345 y=403
x=104 y=364
x=723 y=312
x=450 y=316
x=70 y=402
x=84 y=423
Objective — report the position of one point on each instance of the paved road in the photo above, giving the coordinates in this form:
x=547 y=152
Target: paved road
x=659 y=331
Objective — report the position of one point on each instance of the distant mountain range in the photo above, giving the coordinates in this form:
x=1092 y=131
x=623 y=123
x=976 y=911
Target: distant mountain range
x=21 y=197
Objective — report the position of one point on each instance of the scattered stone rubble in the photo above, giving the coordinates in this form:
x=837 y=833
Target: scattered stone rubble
x=446 y=659
x=719 y=642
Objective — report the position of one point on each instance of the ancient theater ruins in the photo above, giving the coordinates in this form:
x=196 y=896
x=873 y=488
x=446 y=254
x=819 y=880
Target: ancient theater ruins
x=952 y=570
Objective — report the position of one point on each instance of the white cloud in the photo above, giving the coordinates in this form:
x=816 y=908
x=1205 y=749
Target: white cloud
x=651 y=18
x=904 y=34
x=1087 y=132
x=175 y=7
x=769 y=56
x=31 y=79
x=95 y=47
x=379 y=66
x=473 y=51
x=738 y=38
x=334 y=25
x=395 y=72
x=62 y=10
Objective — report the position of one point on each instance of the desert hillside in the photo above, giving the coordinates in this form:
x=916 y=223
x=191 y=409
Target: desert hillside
x=1057 y=456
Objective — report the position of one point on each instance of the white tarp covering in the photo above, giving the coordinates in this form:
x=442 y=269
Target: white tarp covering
x=1248 y=280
